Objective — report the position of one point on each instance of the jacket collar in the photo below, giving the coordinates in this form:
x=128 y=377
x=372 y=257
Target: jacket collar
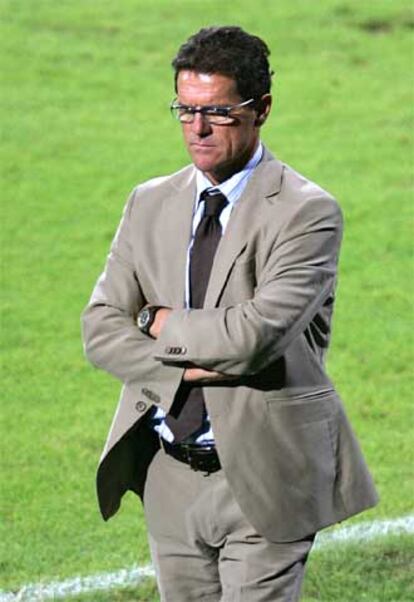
x=264 y=184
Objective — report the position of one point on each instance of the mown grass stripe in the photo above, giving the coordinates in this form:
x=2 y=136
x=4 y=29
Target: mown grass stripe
x=362 y=532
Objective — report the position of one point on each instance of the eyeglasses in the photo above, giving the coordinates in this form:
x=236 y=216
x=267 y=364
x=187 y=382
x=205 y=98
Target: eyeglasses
x=215 y=114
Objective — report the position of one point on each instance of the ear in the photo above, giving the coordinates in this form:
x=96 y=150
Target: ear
x=263 y=109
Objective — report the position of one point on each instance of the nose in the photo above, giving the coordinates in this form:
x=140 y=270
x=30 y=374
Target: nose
x=200 y=125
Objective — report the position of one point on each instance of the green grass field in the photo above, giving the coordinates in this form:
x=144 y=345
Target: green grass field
x=85 y=92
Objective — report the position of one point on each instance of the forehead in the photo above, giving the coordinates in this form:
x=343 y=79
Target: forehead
x=195 y=88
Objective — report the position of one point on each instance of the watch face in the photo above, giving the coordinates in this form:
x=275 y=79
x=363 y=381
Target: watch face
x=143 y=318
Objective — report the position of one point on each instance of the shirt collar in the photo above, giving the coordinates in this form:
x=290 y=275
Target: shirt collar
x=234 y=186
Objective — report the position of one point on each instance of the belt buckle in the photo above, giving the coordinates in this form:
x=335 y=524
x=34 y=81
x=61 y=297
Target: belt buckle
x=198 y=462
x=191 y=458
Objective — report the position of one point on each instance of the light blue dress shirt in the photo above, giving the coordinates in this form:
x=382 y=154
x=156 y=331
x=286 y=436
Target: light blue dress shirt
x=232 y=188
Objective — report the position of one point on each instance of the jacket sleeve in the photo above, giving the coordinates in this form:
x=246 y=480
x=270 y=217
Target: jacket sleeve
x=297 y=279
x=112 y=340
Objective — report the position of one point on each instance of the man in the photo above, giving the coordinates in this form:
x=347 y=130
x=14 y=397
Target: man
x=214 y=310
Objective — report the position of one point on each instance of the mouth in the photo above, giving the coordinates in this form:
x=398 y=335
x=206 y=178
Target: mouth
x=201 y=145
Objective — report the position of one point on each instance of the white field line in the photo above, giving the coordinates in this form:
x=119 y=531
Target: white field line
x=362 y=532
x=55 y=590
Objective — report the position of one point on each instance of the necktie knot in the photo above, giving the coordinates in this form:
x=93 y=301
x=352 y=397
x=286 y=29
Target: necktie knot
x=215 y=202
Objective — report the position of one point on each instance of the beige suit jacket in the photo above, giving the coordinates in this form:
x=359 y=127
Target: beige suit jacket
x=282 y=435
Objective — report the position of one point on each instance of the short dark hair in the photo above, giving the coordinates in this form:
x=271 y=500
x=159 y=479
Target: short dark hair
x=229 y=51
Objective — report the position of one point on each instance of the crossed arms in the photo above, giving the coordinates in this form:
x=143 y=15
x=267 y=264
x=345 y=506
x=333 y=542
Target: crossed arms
x=241 y=339
x=195 y=373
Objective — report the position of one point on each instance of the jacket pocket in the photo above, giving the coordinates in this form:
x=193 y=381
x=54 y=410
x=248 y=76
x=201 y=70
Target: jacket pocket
x=303 y=408
x=305 y=435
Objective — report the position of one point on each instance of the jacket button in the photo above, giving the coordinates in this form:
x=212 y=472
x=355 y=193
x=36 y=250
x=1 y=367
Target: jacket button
x=140 y=406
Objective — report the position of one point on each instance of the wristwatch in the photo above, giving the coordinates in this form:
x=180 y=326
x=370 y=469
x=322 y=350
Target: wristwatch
x=146 y=318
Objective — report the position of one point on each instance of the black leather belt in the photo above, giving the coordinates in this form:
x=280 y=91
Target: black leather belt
x=199 y=457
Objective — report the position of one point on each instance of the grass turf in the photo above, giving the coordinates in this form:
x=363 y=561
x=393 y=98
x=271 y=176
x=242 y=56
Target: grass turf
x=86 y=86
x=380 y=572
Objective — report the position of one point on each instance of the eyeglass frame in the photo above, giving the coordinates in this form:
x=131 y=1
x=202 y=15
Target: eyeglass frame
x=204 y=110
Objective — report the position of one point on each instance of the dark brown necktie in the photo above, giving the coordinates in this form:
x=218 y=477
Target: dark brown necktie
x=187 y=412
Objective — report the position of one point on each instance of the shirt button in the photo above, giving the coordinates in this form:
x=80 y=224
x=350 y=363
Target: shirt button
x=140 y=406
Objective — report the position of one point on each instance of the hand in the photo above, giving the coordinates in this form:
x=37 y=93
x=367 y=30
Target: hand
x=201 y=374
x=158 y=324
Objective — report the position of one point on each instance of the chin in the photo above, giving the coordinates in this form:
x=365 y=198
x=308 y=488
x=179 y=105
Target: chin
x=204 y=166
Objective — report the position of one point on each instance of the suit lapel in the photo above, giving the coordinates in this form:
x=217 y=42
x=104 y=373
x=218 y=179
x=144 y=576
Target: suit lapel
x=264 y=183
x=177 y=216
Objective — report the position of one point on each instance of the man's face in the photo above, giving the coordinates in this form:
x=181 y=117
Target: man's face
x=217 y=150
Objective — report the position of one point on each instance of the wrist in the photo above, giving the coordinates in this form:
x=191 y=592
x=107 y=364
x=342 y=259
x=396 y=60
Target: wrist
x=159 y=321
x=146 y=318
